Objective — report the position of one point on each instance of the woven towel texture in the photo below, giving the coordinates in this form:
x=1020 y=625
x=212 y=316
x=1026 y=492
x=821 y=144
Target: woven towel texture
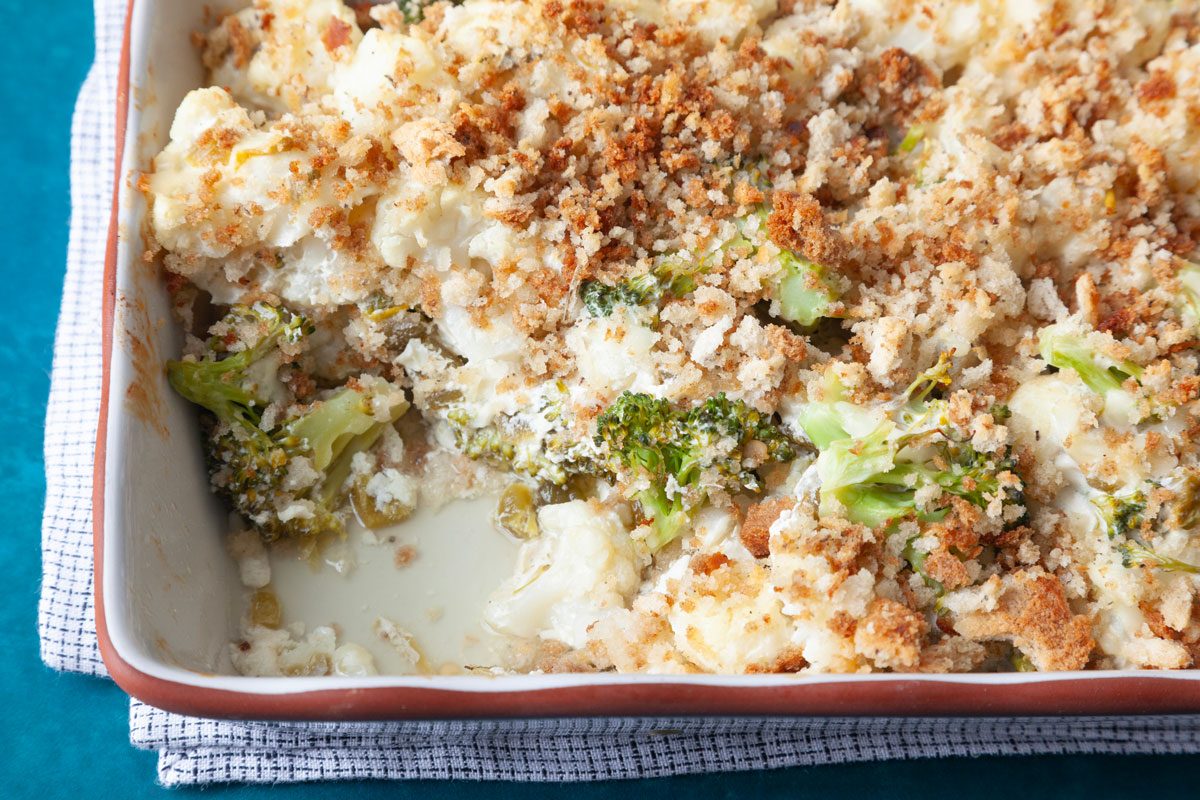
x=196 y=751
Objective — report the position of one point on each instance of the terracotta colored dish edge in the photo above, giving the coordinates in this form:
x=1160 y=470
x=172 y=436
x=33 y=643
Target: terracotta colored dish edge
x=1137 y=693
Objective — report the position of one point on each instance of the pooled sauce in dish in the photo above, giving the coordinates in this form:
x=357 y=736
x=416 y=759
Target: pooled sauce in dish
x=399 y=578
x=696 y=336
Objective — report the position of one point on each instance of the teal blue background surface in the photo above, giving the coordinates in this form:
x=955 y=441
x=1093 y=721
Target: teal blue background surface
x=66 y=736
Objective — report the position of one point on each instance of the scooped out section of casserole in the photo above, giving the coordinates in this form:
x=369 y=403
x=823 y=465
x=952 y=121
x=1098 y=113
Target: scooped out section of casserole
x=790 y=336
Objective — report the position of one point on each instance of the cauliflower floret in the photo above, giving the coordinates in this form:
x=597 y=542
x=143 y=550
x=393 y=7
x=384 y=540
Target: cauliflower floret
x=490 y=31
x=583 y=565
x=207 y=124
x=371 y=91
x=353 y=661
x=1164 y=118
x=279 y=54
x=944 y=33
x=232 y=212
x=729 y=619
x=817 y=593
x=613 y=354
x=1121 y=626
x=441 y=226
x=1055 y=415
x=721 y=20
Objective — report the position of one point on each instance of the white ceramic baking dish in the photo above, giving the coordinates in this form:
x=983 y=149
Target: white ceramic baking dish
x=168 y=597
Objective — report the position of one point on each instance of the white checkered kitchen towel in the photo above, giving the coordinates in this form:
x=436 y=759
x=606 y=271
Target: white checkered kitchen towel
x=193 y=751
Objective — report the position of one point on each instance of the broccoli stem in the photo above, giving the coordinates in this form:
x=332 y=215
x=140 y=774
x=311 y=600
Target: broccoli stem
x=827 y=420
x=911 y=139
x=932 y=379
x=339 y=470
x=1136 y=554
x=214 y=385
x=1099 y=373
x=916 y=560
x=668 y=517
x=325 y=429
x=875 y=505
x=804 y=294
x=822 y=423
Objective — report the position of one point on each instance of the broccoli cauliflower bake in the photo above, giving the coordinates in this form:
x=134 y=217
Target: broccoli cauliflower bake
x=787 y=335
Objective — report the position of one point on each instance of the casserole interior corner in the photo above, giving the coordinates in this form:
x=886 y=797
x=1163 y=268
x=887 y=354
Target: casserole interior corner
x=697 y=337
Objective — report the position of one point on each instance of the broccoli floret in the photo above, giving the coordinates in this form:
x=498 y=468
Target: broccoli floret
x=1124 y=520
x=733 y=418
x=537 y=443
x=256 y=467
x=876 y=476
x=647 y=433
x=673 y=277
x=1000 y=412
x=239 y=365
x=803 y=290
x=684 y=453
x=1123 y=516
x=1185 y=513
x=511 y=444
x=601 y=299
